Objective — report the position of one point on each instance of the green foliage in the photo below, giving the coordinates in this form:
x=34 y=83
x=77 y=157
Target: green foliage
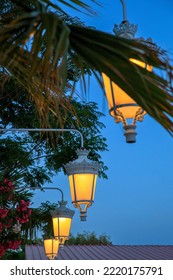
x=36 y=157
x=14 y=255
x=46 y=225
x=40 y=222
x=18 y=161
x=41 y=65
x=89 y=124
x=89 y=238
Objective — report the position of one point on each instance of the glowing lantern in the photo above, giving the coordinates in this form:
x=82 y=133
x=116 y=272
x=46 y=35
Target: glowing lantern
x=62 y=218
x=121 y=106
x=51 y=247
x=82 y=174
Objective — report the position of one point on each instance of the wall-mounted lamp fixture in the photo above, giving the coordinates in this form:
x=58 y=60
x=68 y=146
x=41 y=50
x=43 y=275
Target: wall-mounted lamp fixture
x=82 y=174
x=62 y=219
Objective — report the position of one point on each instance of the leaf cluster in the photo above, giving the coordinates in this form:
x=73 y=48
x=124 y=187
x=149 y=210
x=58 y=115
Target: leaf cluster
x=89 y=238
x=40 y=222
x=41 y=65
x=35 y=157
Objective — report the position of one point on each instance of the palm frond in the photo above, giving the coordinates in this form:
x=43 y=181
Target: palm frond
x=77 y=5
x=74 y=4
x=36 y=43
x=111 y=55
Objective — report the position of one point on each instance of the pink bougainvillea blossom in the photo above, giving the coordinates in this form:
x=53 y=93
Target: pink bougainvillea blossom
x=13 y=214
x=3 y=213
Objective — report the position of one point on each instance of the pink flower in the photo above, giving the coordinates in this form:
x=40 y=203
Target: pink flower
x=22 y=202
x=10 y=184
x=14 y=245
x=23 y=208
x=11 y=218
x=3 y=213
x=2 y=250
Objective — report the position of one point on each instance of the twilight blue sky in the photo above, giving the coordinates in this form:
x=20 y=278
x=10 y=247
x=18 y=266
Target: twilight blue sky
x=135 y=204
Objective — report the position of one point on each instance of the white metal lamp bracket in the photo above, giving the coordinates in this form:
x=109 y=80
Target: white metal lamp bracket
x=51 y=188
x=45 y=130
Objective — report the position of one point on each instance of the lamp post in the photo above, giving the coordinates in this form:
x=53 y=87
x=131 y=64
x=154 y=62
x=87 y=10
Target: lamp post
x=121 y=106
x=82 y=174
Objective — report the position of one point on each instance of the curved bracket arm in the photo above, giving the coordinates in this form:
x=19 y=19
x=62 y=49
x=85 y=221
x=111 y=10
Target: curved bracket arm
x=57 y=189
x=48 y=188
x=46 y=130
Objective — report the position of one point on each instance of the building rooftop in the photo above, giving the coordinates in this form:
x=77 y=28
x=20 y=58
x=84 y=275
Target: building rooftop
x=104 y=252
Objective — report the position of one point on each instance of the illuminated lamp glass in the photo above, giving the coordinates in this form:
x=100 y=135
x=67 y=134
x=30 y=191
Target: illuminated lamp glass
x=51 y=247
x=121 y=106
x=62 y=219
x=82 y=174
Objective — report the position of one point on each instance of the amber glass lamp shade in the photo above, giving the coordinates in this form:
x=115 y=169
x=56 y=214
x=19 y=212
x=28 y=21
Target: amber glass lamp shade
x=120 y=104
x=51 y=247
x=82 y=174
x=61 y=228
x=82 y=189
x=62 y=219
x=122 y=107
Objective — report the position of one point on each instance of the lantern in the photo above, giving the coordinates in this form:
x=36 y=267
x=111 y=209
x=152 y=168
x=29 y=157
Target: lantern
x=82 y=174
x=121 y=106
x=62 y=218
x=51 y=247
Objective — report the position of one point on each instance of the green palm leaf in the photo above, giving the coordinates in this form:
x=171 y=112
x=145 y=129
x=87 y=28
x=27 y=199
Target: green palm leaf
x=35 y=45
x=110 y=54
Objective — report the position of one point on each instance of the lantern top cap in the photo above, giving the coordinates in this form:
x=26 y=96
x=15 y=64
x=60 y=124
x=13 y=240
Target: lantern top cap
x=62 y=211
x=82 y=152
x=125 y=29
x=82 y=164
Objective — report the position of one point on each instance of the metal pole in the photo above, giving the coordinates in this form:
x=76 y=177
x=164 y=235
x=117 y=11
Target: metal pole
x=45 y=130
x=124 y=10
x=48 y=188
x=58 y=189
